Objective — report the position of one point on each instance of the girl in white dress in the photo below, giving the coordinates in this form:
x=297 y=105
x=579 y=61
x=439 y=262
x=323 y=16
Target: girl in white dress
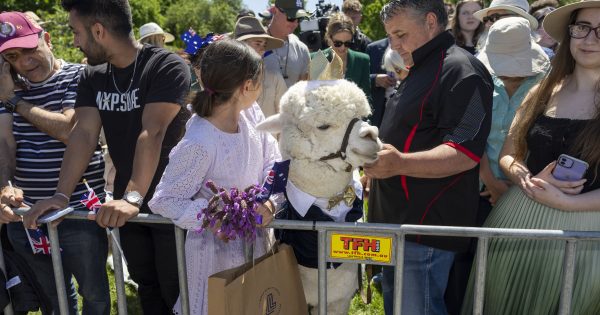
x=222 y=145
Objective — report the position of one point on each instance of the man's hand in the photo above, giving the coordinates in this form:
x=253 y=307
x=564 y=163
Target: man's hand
x=384 y=81
x=11 y=196
x=365 y=181
x=7 y=215
x=41 y=207
x=7 y=85
x=387 y=164
x=494 y=190
x=115 y=213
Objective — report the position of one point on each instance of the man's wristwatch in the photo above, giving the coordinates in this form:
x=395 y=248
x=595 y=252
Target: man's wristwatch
x=134 y=198
x=11 y=104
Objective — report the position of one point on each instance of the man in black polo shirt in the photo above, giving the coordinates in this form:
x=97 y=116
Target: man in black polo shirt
x=435 y=128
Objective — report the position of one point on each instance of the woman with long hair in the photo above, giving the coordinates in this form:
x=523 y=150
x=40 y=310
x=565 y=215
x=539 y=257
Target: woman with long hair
x=465 y=27
x=559 y=116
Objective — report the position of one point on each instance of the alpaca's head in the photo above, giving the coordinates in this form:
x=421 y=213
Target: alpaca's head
x=315 y=117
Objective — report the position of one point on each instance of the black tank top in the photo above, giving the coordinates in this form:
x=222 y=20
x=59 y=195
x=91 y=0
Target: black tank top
x=550 y=137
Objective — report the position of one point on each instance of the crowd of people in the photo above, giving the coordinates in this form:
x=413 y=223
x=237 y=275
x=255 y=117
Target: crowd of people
x=477 y=107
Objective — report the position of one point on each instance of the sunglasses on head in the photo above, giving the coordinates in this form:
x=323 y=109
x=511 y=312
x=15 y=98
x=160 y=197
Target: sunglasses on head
x=289 y=19
x=339 y=43
x=496 y=16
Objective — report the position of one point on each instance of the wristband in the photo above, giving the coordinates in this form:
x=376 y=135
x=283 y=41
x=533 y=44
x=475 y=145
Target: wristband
x=62 y=195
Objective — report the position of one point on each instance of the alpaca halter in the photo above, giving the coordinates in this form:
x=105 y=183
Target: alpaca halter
x=341 y=153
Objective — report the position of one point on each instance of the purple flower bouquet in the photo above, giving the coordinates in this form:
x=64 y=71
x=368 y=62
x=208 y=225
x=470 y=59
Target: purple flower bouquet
x=232 y=214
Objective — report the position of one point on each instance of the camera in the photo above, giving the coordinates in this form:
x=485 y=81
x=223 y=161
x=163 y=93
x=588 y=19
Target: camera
x=565 y=162
x=312 y=31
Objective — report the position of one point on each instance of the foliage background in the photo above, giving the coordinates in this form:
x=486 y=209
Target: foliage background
x=175 y=16
x=371 y=24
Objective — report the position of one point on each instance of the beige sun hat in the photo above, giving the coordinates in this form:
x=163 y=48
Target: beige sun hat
x=249 y=27
x=152 y=28
x=555 y=23
x=511 y=51
x=520 y=7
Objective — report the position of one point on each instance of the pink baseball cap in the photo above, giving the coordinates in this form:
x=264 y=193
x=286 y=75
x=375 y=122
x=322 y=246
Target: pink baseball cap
x=17 y=31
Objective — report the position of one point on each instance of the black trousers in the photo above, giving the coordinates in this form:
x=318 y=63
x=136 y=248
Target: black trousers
x=152 y=263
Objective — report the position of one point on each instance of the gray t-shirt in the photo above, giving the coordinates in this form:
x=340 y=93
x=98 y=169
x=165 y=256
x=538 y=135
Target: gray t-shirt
x=292 y=60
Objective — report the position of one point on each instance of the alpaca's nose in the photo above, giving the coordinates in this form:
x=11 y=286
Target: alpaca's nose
x=368 y=131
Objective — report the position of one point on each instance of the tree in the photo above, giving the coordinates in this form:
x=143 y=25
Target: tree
x=371 y=23
x=204 y=16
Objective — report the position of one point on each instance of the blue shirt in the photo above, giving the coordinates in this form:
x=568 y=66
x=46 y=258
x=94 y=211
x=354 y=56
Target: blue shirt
x=503 y=112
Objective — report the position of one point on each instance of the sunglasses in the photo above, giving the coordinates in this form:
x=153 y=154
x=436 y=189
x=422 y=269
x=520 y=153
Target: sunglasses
x=339 y=43
x=496 y=16
x=580 y=31
x=289 y=19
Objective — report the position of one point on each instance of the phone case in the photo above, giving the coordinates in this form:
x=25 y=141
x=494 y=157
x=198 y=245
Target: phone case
x=569 y=168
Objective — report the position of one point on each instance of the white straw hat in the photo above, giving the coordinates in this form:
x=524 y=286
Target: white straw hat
x=511 y=51
x=152 y=28
x=555 y=23
x=520 y=7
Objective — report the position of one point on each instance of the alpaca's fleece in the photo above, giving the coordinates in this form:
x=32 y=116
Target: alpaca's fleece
x=313 y=119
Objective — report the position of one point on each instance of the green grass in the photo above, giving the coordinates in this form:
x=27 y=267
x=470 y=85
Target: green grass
x=133 y=305
x=357 y=307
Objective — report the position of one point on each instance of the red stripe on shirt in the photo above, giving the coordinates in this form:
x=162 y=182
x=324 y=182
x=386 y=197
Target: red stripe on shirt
x=464 y=150
x=432 y=202
x=413 y=131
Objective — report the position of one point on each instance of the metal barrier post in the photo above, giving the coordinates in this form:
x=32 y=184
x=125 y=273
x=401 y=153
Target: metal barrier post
x=322 y=272
x=181 y=270
x=248 y=251
x=119 y=274
x=568 y=278
x=8 y=310
x=59 y=277
x=480 y=269
x=398 y=273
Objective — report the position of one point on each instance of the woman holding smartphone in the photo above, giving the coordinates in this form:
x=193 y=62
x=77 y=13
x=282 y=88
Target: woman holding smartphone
x=559 y=116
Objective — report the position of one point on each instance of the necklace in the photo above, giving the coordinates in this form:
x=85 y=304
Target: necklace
x=282 y=64
x=112 y=74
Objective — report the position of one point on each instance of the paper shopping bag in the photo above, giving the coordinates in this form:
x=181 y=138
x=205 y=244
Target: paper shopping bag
x=269 y=286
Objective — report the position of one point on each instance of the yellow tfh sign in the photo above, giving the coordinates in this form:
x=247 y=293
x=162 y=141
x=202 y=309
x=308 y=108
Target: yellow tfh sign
x=361 y=247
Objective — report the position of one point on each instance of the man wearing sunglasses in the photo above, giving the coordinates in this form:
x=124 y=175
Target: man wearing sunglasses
x=293 y=58
x=500 y=9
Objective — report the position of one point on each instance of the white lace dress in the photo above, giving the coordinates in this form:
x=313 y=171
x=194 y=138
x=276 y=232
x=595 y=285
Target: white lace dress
x=230 y=160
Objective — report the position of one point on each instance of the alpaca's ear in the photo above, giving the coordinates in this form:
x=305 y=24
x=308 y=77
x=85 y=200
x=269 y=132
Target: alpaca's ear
x=272 y=124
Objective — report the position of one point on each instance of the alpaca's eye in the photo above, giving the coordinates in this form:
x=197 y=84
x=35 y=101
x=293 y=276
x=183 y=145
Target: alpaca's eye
x=323 y=127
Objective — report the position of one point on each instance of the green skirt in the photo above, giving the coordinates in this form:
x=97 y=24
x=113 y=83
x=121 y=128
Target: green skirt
x=524 y=276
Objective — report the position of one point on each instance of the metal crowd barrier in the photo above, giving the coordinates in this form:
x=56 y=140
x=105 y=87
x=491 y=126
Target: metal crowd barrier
x=327 y=232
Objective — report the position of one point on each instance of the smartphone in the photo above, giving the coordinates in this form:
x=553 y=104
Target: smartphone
x=20 y=83
x=569 y=168
x=54 y=214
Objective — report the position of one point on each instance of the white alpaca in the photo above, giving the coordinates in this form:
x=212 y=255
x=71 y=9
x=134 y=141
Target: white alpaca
x=314 y=120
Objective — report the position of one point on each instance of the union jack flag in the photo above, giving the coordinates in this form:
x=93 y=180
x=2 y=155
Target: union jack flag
x=39 y=241
x=91 y=201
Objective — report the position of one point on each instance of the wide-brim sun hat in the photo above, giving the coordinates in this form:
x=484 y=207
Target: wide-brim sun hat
x=152 y=28
x=249 y=27
x=556 y=23
x=519 y=7
x=511 y=51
